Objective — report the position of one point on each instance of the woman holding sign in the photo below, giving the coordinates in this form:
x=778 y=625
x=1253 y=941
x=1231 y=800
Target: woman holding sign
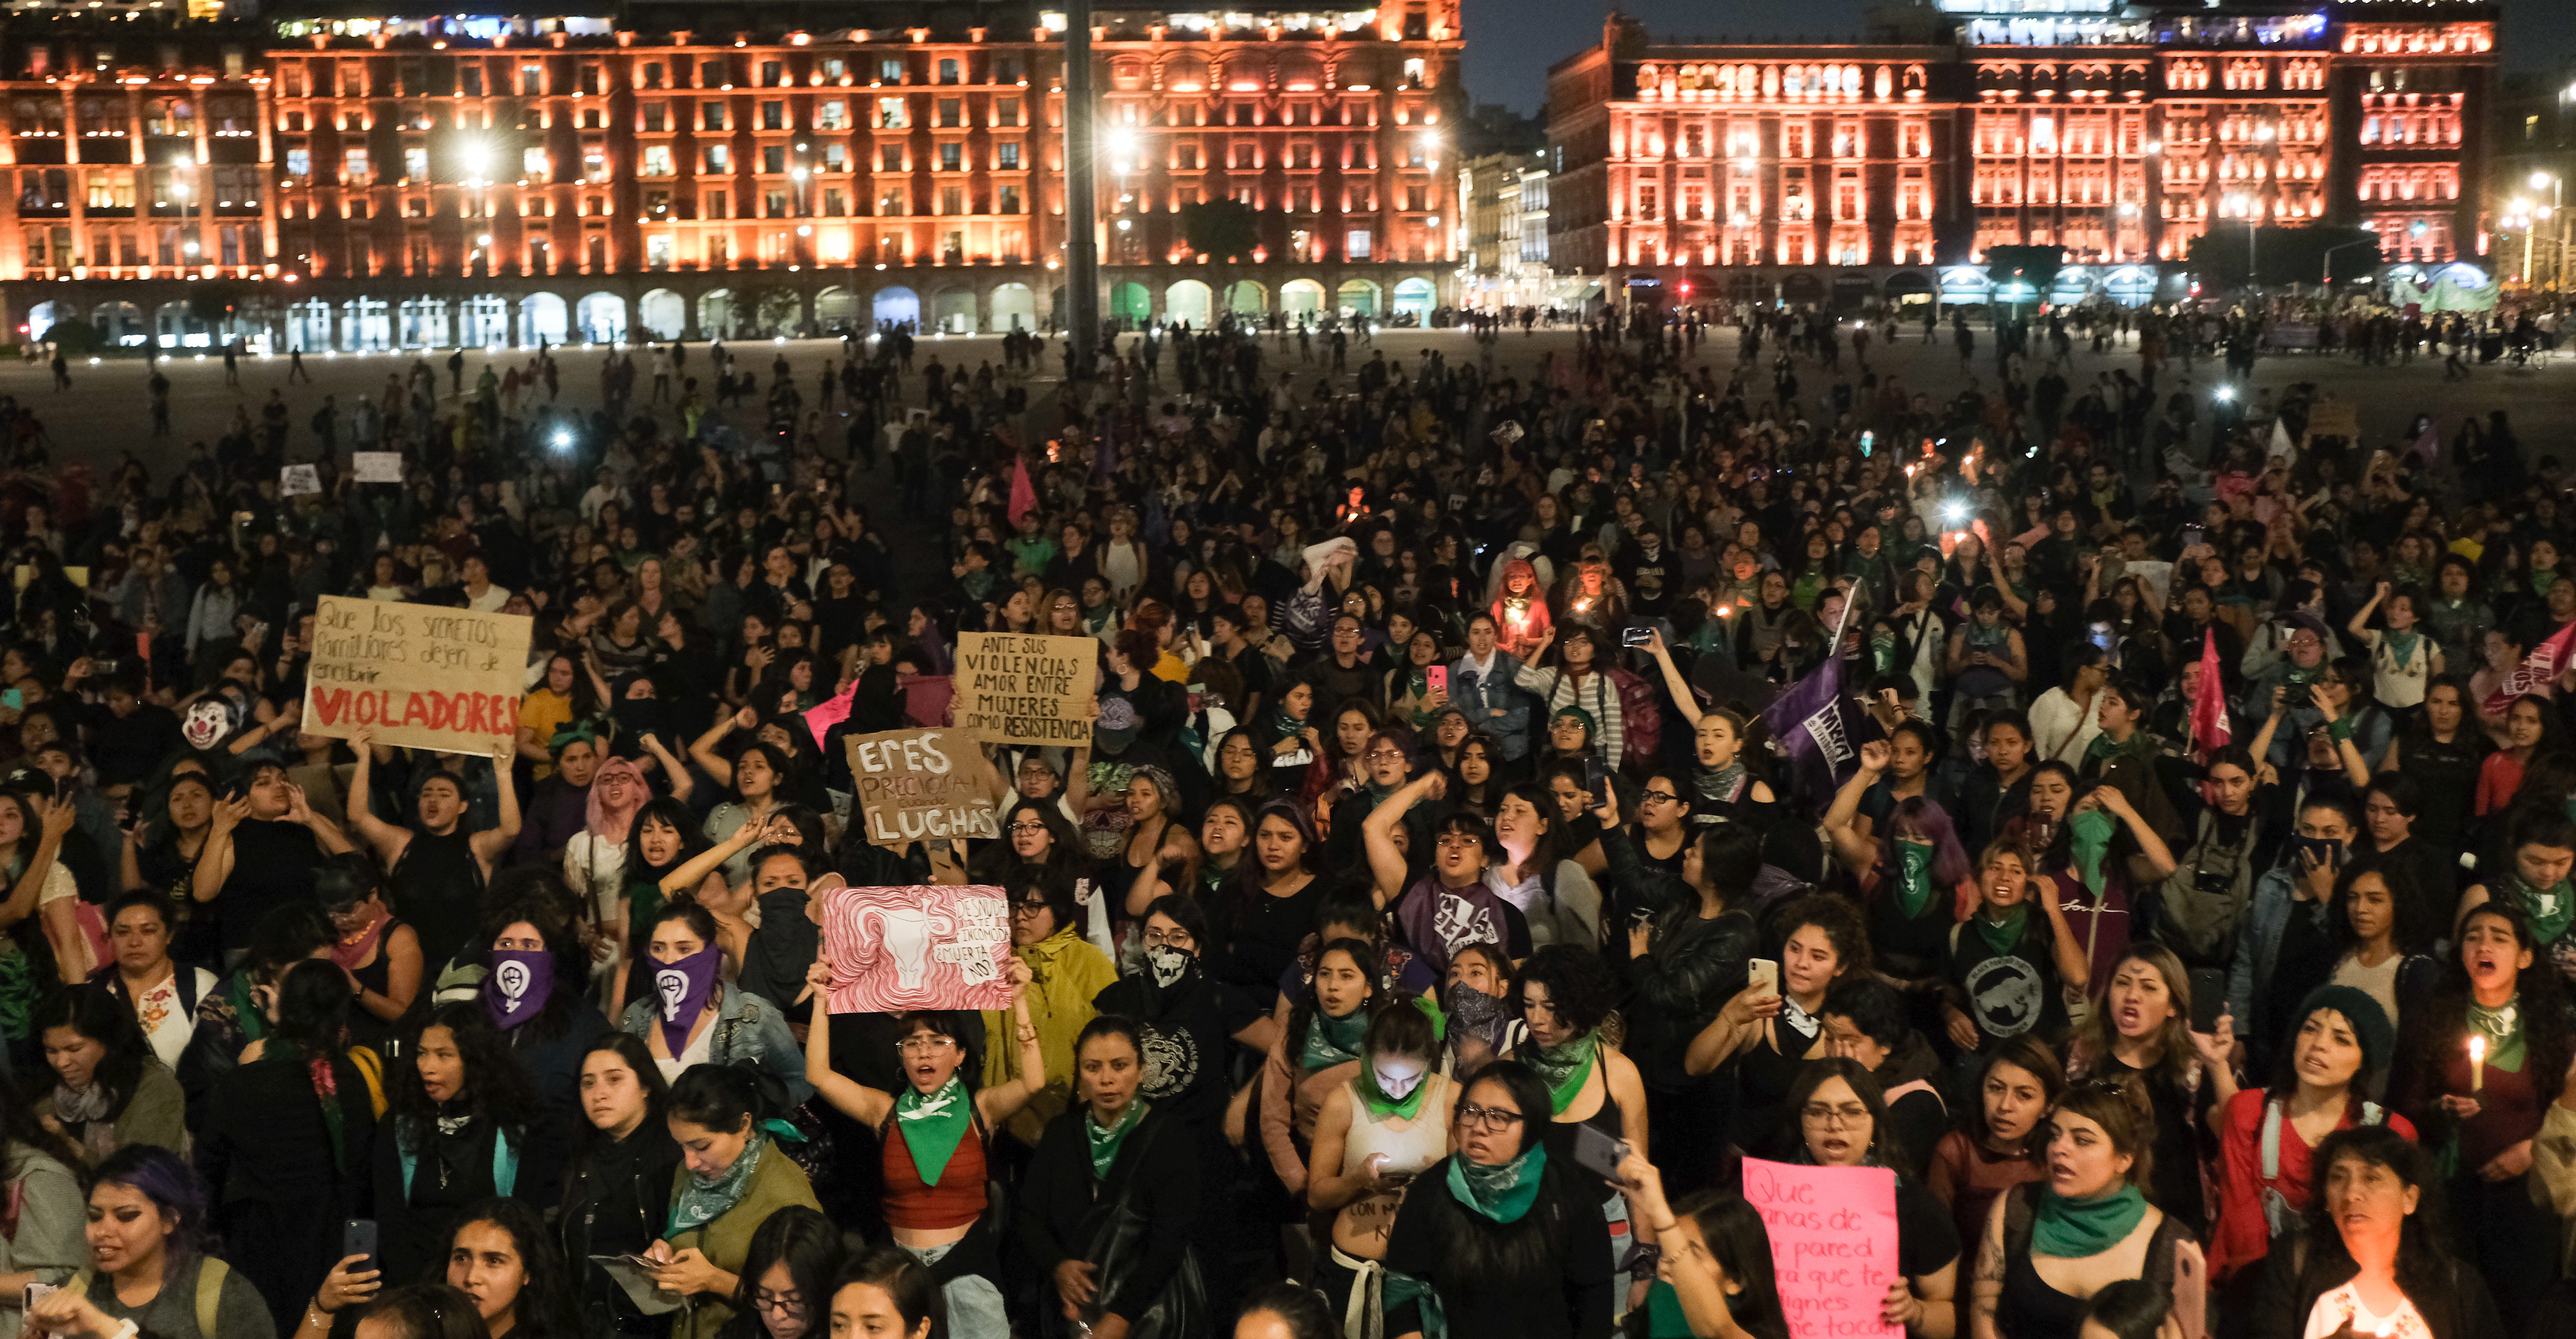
x=2051 y=1244
x=935 y=1139
x=1840 y=1118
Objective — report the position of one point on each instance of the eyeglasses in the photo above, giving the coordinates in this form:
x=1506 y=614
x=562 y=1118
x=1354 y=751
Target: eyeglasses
x=924 y=1045
x=1818 y=1113
x=1385 y=755
x=1490 y=1118
x=1169 y=939
x=1657 y=797
x=1028 y=908
x=1458 y=841
x=1018 y=828
x=788 y=1303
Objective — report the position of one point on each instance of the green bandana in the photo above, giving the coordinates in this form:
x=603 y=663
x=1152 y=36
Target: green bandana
x=932 y=1125
x=1105 y=1143
x=701 y=1202
x=1914 y=877
x=2401 y=645
x=2502 y=1027
x=1284 y=725
x=2005 y=935
x=1502 y=1193
x=2550 y=909
x=1564 y=1069
x=2105 y=749
x=1331 y=1041
x=2088 y=840
x=2071 y=1229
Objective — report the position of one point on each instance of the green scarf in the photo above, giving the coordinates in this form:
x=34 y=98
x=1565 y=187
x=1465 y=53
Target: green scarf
x=1284 y=725
x=1331 y=1041
x=2088 y=840
x=1914 y=877
x=1502 y=1193
x=2401 y=645
x=2502 y=1027
x=1564 y=1069
x=2550 y=909
x=702 y=1201
x=246 y=1011
x=2105 y=749
x=2005 y=935
x=1105 y=1143
x=932 y=1125
x=2071 y=1229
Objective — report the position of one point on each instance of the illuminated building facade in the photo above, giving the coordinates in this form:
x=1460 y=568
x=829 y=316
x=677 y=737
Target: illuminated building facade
x=2119 y=131
x=424 y=180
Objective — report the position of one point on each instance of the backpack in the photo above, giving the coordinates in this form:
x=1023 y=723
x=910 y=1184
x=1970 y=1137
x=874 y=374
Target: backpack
x=2205 y=898
x=1641 y=713
x=210 y=1291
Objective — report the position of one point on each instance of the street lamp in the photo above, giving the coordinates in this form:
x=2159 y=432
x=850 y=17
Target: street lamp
x=2557 y=204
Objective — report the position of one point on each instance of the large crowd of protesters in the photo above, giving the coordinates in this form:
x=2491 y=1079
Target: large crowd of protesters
x=2173 y=894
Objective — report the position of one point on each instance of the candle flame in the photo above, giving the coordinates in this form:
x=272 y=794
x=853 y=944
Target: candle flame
x=2477 y=1049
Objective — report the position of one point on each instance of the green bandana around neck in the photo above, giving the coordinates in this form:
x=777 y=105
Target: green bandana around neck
x=2507 y=1041
x=1503 y=1193
x=2550 y=909
x=701 y=1202
x=933 y=1124
x=2088 y=840
x=1565 y=1069
x=1105 y=1143
x=1331 y=1041
x=2005 y=935
x=2401 y=645
x=1913 y=877
x=2071 y=1229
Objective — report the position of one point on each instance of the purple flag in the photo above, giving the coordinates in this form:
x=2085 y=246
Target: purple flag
x=1820 y=728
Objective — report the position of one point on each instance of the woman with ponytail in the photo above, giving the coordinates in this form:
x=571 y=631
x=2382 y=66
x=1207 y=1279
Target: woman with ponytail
x=732 y=1177
x=288 y=1138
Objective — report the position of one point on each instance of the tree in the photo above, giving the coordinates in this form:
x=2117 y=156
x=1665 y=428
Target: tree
x=218 y=301
x=1225 y=231
x=773 y=309
x=2008 y=268
x=2279 y=255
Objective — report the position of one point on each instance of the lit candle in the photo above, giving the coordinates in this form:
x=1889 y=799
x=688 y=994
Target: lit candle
x=2477 y=1064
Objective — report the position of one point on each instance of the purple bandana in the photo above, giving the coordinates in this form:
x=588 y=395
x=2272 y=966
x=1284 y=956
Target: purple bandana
x=518 y=984
x=683 y=988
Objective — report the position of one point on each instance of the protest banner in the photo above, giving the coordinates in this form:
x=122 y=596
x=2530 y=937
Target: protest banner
x=297 y=480
x=2334 y=418
x=925 y=946
x=1014 y=689
x=376 y=467
x=1833 y=1245
x=421 y=676
x=920 y=785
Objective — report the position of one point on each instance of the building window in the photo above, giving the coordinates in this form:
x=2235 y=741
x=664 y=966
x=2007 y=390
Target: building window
x=773 y=73
x=835 y=204
x=1007 y=155
x=952 y=112
x=889 y=158
x=1006 y=111
x=773 y=158
x=656 y=117
x=833 y=114
x=773 y=115
x=1355 y=244
x=952 y=200
x=711 y=115
x=533 y=164
x=949 y=72
x=657 y=160
x=1010 y=200
x=890 y=70
x=719 y=160
x=952 y=156
x=891 y=114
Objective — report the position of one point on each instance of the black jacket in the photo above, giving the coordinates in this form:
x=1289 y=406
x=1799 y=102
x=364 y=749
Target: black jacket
x=2298 y=1272
x=1546 y=1276
x=1157 y=1168
x=1697 y=965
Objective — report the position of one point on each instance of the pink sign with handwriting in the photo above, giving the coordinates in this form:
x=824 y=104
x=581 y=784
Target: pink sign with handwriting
x=1833 y=1245
x=926 y=946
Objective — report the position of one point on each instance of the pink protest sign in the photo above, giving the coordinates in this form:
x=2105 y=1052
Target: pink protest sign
x=928 y=946
x=1833 y=1245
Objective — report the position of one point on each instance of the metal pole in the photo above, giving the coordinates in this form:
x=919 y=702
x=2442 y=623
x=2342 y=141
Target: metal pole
x=1081 y=201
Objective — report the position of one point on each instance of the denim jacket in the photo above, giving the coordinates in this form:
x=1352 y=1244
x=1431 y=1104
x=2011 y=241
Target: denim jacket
x=747 y=1028
x=1479 y=697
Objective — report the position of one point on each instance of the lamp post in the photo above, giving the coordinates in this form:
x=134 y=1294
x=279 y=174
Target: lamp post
x=2555 y=210
x=2328 y=276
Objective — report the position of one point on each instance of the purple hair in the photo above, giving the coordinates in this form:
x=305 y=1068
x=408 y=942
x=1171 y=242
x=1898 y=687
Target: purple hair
x=174 y=1188
x=1949 y=859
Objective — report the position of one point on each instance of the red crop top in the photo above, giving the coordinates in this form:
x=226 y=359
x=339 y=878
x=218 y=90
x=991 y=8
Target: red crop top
x=956 y=1201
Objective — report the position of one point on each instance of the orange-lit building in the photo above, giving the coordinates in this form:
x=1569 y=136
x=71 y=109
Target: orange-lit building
x=368 y=181
x=1887 y=168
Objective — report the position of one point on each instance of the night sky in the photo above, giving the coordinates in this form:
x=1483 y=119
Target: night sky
x=1510 y=43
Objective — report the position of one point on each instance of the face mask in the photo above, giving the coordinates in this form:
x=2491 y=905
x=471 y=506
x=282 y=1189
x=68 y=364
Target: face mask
x=207 y=721
x=683 y=987
x=1397 y=1079
x=1170 y=964
x=519 y=985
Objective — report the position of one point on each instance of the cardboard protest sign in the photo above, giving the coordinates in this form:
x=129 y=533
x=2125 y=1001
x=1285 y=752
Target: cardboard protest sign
x=296 y=480
x=1013 y=689
x=1833 y=1245
x=376 y=467
x=919 y=785
x=2334 y=418
x=422 y=676
x=927 y=946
